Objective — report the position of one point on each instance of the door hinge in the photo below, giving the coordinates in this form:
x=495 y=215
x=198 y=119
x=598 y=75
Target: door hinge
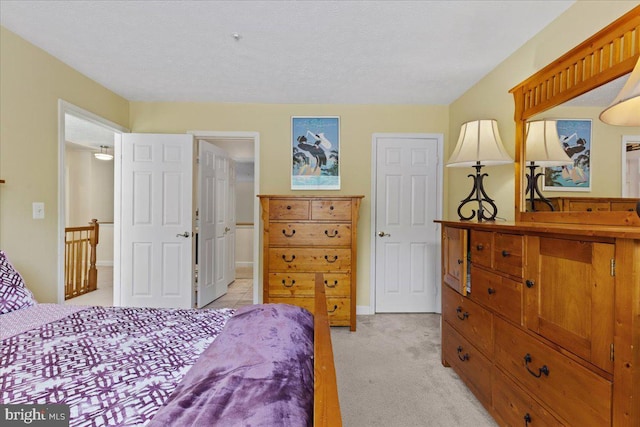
x=613 y=267
x=611 y=352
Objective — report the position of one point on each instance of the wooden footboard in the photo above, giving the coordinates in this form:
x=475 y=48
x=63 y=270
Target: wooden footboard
x=326 y=407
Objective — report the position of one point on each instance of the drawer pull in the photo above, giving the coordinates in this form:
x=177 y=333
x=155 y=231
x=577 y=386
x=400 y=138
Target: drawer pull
x=289 y=207
x=331 y=208
x=491 y=291
x=288 y=235
x=284 y=283
x=530 y=283
x=464 y=357
x=335 y=233
x=544 y=370
x=589 y=209
x=527 y=419
x=460 y=261
x=465 y=315
x=335 y=283
x=335 y=258
x=335 y=307
x=505 y=253
x=479 y=247
x=284 y=257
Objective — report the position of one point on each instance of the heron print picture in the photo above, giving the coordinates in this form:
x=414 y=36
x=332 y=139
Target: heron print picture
x=575 y=137
x=315 y=153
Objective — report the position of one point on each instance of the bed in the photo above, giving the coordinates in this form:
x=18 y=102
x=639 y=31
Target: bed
x=260 y=365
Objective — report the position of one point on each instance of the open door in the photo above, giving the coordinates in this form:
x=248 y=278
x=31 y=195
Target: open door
x=156 y=221
x=215 y=208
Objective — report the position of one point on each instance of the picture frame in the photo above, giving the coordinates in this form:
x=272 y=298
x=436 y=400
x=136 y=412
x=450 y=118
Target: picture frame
x=315 y=153
x=575 y=136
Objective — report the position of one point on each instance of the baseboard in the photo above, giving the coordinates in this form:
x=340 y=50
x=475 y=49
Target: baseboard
x=104 y=263
x=363 y=310
x=240 y=264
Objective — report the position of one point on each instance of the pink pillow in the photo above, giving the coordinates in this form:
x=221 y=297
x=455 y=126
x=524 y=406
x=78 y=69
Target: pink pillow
x=14 y=295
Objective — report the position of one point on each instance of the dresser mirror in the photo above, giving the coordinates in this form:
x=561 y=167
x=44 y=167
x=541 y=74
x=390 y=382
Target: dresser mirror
x=603 y=156
x=574 y=90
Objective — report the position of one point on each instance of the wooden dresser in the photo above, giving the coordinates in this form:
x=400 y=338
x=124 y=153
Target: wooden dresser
x=304 y=235
x=542 y=321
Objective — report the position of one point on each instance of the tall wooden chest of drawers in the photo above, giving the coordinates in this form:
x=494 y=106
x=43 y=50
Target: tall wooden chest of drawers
x=305 y=235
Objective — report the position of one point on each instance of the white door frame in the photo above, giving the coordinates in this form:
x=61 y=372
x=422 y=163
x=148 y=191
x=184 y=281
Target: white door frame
x=257 y=271
x=440 y=173
x=626 y=139
x=65 y=107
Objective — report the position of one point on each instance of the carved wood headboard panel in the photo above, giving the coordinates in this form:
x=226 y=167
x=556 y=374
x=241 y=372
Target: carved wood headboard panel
x=610 y=53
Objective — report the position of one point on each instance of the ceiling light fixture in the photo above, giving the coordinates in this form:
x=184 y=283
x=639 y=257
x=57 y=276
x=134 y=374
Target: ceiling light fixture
x=103 y=154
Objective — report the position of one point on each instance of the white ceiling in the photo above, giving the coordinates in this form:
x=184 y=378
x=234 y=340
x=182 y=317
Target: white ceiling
x=310 y=52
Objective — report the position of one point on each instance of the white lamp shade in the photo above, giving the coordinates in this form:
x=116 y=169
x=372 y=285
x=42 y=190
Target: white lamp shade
x=479 y=141
x=543 y=145
x=625 y=109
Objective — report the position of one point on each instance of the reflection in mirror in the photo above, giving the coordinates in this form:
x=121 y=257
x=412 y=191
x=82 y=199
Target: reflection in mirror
x=597 y=155
x=543 y=149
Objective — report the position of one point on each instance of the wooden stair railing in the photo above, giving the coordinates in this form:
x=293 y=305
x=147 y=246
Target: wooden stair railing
x=80 y=272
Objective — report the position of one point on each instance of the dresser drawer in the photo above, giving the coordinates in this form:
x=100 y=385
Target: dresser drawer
x=623 y=206
x=469 y=319
x=515 y=407
x=507 y=253
x=306 y=234
x=306 y=303
x=336 y=210
x=339 y=310
x=291 y=284
x=306 y=259
x=499 y=293
x=288 y=209
x=481 y=247
x=575 y=393
x=468 y=362
x=303 y=284
x=337 y=284
x=587 y=206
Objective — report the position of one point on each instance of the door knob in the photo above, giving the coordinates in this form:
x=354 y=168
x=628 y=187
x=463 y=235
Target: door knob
x=185 y=234
x=227 y=229
x=383 y=234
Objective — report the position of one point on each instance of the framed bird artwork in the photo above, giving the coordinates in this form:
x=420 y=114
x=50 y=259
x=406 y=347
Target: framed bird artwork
x=315 y=153
x=575 y=137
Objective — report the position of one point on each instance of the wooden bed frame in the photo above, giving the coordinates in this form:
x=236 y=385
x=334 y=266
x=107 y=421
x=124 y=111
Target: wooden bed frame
x=326 y=407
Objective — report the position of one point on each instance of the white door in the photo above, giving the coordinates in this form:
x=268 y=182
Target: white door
x=231 y=224
x=156 y=221
x=406 y=238
x=207 y=291
x=630 y=166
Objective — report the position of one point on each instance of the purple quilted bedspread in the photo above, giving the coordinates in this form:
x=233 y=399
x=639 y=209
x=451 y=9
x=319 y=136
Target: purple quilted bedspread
x=112 y=365
x=258 y=372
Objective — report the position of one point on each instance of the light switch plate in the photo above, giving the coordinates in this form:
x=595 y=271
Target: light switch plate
x=38 y=210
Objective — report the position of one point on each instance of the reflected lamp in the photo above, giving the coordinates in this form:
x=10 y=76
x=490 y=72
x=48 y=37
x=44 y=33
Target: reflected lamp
x=542 y=148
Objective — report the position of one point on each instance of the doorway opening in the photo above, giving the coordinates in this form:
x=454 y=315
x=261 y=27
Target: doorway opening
x=244 y=149
x=86 y=192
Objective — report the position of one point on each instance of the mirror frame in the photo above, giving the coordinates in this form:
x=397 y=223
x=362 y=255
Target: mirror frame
x=607 y=55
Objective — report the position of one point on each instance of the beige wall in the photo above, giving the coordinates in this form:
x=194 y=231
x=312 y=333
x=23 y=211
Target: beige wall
x=31 y=82
x=273 y=122
x=490 y=98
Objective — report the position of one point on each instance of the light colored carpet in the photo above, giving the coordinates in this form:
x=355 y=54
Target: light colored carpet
x=390 y=374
